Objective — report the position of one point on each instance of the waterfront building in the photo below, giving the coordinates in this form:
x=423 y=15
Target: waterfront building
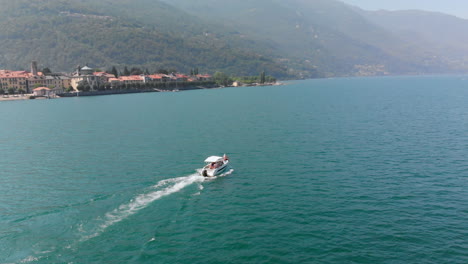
x=104 y=76
x=114 y=82
x=85 y=76
x=55 y=81
x=133 y=79
x=204 y=77
x=130 y=80
x=159 y=78
x=64 y=80
x=41 y=91
x=179 y=77
x=236 y=84
x=16 y=80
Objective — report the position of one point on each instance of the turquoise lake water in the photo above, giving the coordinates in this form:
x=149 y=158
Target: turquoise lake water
x=360 y=170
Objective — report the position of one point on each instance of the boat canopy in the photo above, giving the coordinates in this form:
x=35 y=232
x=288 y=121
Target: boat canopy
x=214 y=159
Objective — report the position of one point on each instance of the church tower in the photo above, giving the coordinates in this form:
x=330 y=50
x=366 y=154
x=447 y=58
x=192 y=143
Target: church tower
x=34 y=68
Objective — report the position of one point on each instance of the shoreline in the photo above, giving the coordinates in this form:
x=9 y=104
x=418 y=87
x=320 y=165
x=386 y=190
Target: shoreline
x=111 y=92
x=129 y=91
x=16 y=98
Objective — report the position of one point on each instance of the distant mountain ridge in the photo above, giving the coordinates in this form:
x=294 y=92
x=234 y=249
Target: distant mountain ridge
x=439 y=35
x=340 y=39
x=285 y=38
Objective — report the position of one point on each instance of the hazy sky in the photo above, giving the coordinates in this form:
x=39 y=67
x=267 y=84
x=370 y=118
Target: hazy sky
x=454 y=7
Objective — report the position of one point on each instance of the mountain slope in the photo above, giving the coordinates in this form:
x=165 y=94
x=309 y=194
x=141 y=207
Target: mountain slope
x=60 y=34
x=286 y=38
x=337 y=38
x=326 y=33
x=439 y=35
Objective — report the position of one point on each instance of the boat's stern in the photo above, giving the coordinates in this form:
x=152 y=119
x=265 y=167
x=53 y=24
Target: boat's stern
x=206 y=172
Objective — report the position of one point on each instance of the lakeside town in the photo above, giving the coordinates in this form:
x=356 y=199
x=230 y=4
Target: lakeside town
x=86 y=81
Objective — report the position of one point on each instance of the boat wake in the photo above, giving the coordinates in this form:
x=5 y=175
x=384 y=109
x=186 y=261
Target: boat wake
x=161 y=189
x=141 y=201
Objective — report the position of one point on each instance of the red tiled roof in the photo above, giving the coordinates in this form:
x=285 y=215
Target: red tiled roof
x=13 y=74
x=131 y=78
x=157 y=76
x=105 y=74
x=204 y=75
x=41 y=88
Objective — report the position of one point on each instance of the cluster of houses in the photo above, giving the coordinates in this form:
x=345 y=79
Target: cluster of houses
x=38 y=83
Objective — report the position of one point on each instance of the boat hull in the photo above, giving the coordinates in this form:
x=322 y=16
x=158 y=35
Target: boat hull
x=207 y=172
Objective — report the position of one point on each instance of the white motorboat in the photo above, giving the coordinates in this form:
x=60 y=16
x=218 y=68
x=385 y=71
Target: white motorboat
x=215 y=166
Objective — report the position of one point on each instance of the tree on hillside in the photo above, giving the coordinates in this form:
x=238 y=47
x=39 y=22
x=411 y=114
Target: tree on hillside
x=163 y=71
x=262 y=77
x=222 y=79
x=136 y=71
x=194 y=71
x=126 y=72
x=46 y=71
x=114 y=71
x=11 y=90
x=270 y=79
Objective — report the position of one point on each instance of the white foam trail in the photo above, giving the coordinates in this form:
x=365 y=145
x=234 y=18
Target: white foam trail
x=29 y=259
x=161 y=189
x=143 y=200
x=229 y=172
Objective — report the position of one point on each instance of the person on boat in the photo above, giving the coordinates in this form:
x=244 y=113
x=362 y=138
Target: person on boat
x=212 y=165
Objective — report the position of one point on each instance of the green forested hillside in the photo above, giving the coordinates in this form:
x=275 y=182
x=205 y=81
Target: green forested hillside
x=61 y=34
x=285 y=38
